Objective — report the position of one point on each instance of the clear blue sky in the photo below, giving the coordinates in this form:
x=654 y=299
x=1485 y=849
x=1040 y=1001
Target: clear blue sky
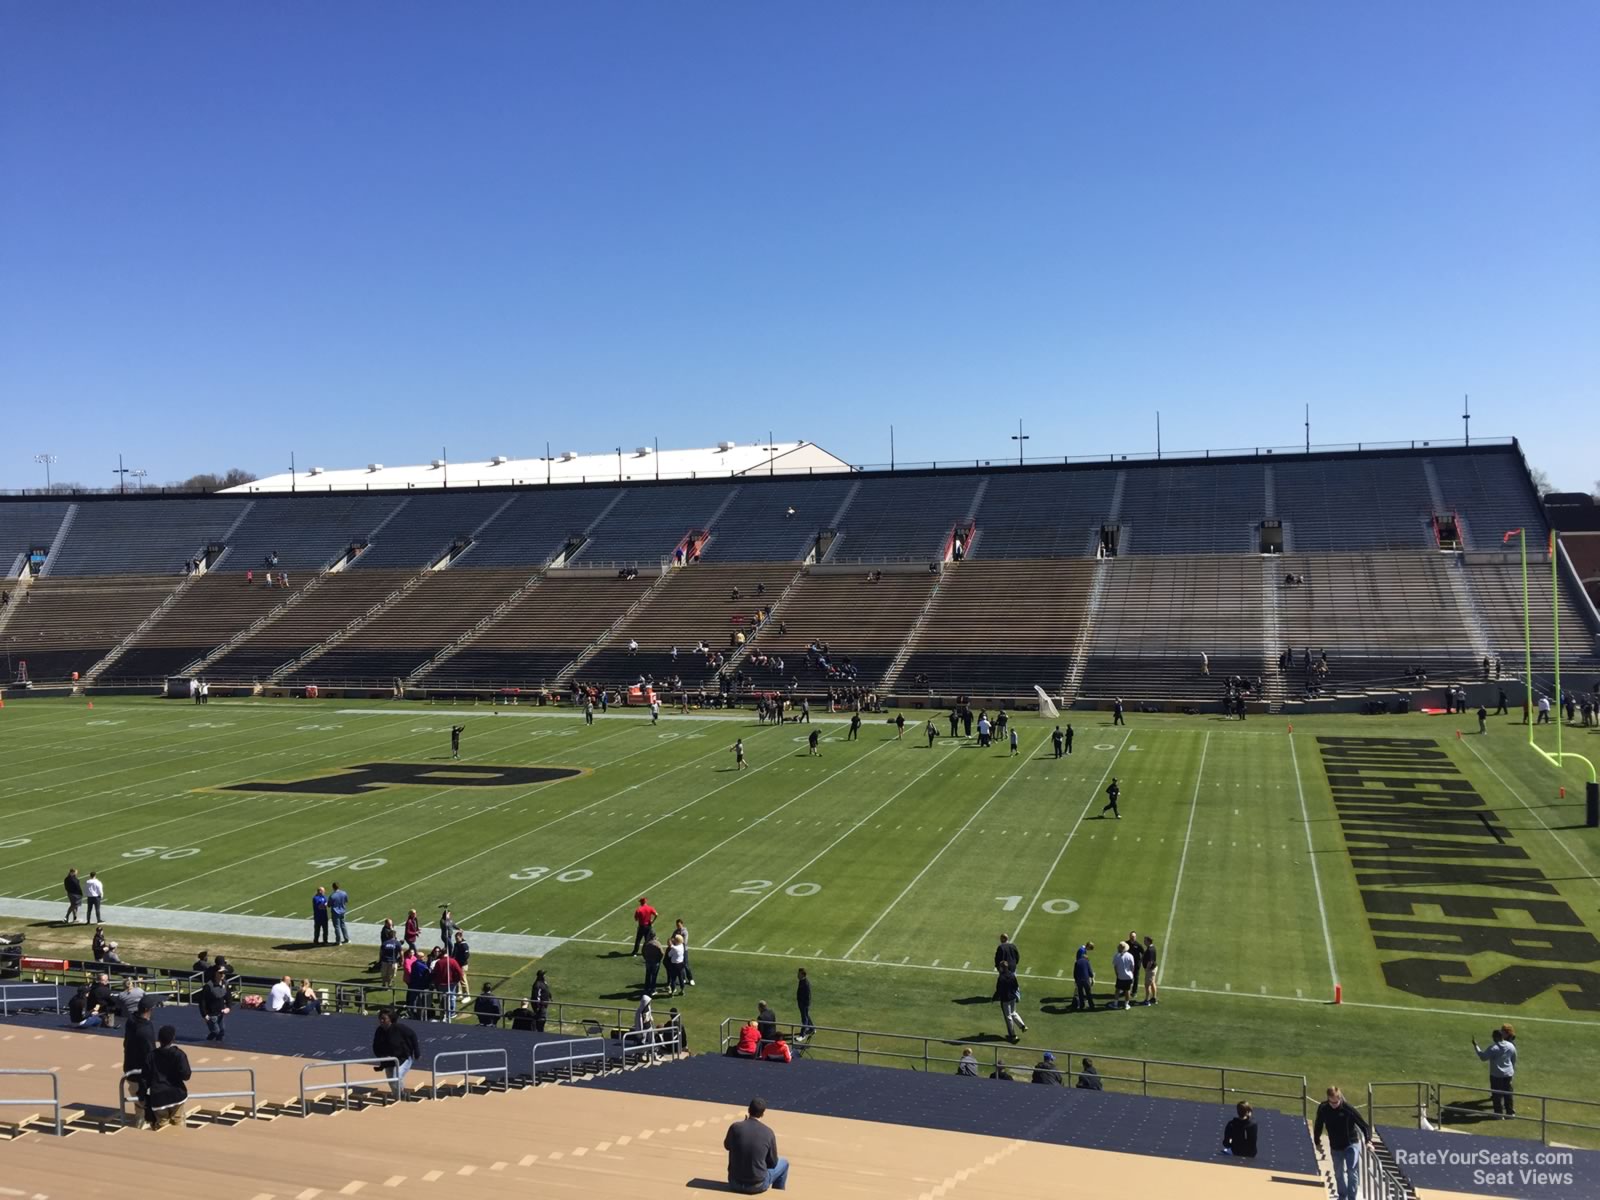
x=365 y=230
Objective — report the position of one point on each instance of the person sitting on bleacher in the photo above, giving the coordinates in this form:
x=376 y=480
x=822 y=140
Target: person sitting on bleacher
x=749 y=1045
x=166 y=1080
x=1047 y=1071
x=78 y=1010
x=1089 y=1078
x=777 y=1050
x=487 y=1007
x=967 y=1064
x=306 y=1002
x=281 y=996
x=100 y=1003
x=522 y=1017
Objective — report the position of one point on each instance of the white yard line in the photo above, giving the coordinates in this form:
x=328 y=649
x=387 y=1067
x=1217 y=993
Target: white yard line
x=644 y=891
x=1311 y=857
x=1183 y=859
x=1587 y=870
x=1094 y=795
x=918 y=879
x=781 y=884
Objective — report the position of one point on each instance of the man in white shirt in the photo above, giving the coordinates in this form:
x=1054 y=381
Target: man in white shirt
x=281 y=996
x=1122 y=964
x=93 y=893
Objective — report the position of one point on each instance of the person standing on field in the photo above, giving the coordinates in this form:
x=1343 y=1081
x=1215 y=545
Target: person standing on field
x=74 y=889
x=644 y=923
x=1149 y=963
x=319 y=917
x=1112 y=793
x=802 y=999
x=94 y=892
x=738 y=755
x=1009 y=992
x=1067 y=738
x=1006 y=955
x=1501 y=1055
x=455 y=740
x=338 y=905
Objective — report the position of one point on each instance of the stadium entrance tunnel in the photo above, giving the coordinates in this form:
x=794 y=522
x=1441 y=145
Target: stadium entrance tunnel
x=372 y=777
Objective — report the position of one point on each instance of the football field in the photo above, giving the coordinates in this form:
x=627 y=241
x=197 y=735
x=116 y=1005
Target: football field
x=1449 y=887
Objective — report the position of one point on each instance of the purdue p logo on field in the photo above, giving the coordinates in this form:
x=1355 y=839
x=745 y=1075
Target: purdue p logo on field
x=374 y=777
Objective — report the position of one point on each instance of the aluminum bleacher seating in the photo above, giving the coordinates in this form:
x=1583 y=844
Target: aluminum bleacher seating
x=213 y=609
x=537 y=525
x=1000 y=627
x=25 y=525
x=422 y=532
x=307 y=533
x=1492 y=494
x=1043 y=514
x=542 y=632
x=1197 y=508
x=1347 y=503
x=864 y=623
x=131 y=536
x=1497 y=589
x=905 y=518
x=1156 y=617
x=756 y=526
x=333 y=602
x=69 y=624
x=693 y=604
x=648 y=523
x=413 y=629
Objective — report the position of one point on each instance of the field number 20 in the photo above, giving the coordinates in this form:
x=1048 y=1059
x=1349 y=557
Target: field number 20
x=755 y=887
x=1056 y=908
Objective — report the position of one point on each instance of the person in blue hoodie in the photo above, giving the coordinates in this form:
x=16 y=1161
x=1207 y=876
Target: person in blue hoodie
x=1083 y=978
x=419 y=982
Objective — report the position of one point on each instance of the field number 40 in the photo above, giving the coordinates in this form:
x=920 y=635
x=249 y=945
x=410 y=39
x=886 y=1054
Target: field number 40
x=1057 y=908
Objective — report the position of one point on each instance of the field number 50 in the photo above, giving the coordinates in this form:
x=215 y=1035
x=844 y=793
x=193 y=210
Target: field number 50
x=1056 y=908
x=165 y=854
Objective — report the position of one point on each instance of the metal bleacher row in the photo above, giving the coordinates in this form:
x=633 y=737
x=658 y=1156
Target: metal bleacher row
x=538 y=587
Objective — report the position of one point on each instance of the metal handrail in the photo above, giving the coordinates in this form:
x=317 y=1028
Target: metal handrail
x=123 y=1098
x=1427 y=1100
x=466 y=1070
x=344 y=1085
x=42 y=994
x=639 y=1042
x=571 y=1053
x=55 y=1091
x=928 y=1052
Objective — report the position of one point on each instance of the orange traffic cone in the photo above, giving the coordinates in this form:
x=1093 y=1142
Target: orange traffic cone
x=1291 y=726
x=91 y=704
x=1338 y=993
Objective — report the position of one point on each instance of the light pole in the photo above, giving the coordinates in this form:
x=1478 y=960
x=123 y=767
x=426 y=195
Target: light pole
x=121 y=472
x=139 y=473
x=1019 y=437
x=46 y=460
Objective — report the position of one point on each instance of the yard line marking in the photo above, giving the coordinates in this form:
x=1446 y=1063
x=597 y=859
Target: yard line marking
x=1316 y=878
x=1515 y=795
x=1093 y=796
x=809 y=862
x=435 y=830
x=832 y=775
x=379 y=814
x=964 y=827
x=1183 y=859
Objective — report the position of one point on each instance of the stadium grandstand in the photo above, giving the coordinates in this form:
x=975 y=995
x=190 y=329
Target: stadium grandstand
x=1330 y=576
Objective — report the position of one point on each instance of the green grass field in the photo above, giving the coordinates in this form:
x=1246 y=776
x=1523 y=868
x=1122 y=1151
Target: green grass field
x=885 y=868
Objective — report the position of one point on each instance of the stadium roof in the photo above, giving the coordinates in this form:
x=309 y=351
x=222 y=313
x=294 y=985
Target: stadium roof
x=723 y=461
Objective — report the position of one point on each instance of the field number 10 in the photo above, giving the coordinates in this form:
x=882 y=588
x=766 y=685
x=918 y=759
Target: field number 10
x=1057 y=908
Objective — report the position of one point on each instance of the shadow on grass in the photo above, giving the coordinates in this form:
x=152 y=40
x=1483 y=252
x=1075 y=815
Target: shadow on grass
x=973 y=1000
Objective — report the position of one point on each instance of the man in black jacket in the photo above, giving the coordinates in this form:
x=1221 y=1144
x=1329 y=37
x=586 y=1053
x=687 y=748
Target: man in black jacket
x=1005 y=954
x=215 y=1003
x=74 y=889
x=166 y=1081
x=802 y=999
x=1347 y=1133
x=394 y=1042
x=138 y=1044
x=1046 y=1071
x=1008 y=992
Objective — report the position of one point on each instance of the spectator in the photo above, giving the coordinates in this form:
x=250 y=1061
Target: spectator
x=419 y=982
x=306 y=1001
x=1001 y=1071
x=1005 y=954
x=680 y=930
x=462 y=953
x=673 y=1035
x=215 y=1002
x=644 y=923
x=111 y=956
x=338 y=905
x=674 y=957
x=749 y=1044
x=447 y=979
x=1008 y=992
x=395 y=1043
x=1122 y=966
x=522 y=1017
x=1239 y=1137
x=487 y=1006
x=388 y=955
x=777 y=1050
x=447 y=928
x=967 y=1064
x=766 y=1021
x=1083 y=979
x=802 y=999
x=1089 y=1078
x=1347 y=1133
x=166 y=1080
x=1501 y=1055
x=95 y=892
x=132 y=997
x=202 y=965
x=74 y=890
x=652 y=954
x=413 y=929
x=753 y=1161
x=80 y=1011
x=541 y=998
x=97 y=944
x=1046 y=1071
x=138 y=1044
x=281 y=996
x=319 y=917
